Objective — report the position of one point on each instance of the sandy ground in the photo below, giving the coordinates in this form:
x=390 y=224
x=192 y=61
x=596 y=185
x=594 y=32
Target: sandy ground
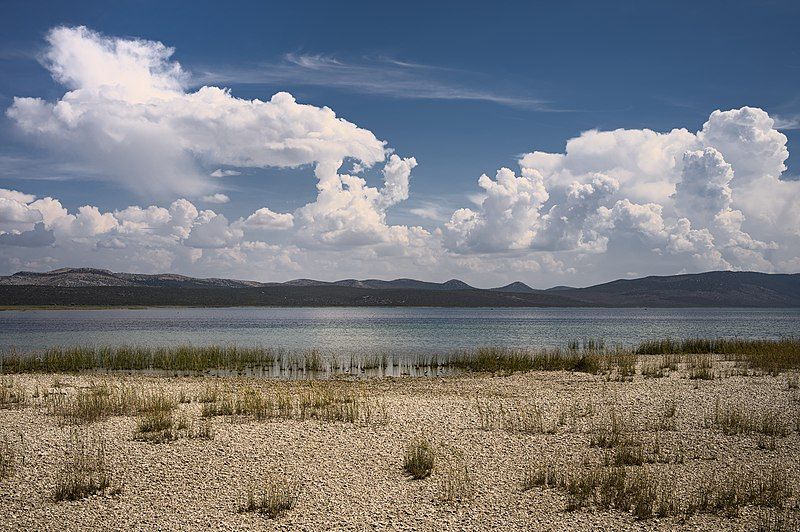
x=351 y=475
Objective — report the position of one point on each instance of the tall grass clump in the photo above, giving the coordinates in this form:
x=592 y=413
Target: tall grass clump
x=156 y=427
x=85 y=471
x=540 y=476
x=418 y=459
x=780 y=520
x=275 y=497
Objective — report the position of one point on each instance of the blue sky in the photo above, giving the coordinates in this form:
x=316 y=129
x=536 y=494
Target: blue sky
x=462 y=88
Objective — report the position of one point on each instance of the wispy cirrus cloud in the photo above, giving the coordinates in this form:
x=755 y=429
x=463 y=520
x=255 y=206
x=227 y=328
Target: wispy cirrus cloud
x=786 y=122
x=370 y=75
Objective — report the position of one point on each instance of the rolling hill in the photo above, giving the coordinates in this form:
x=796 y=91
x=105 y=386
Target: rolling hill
x=94 y=287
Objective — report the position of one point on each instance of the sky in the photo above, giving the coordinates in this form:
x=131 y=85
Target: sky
x=559 y=143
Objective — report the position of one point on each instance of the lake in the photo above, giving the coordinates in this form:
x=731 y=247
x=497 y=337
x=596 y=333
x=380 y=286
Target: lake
x=383 y=330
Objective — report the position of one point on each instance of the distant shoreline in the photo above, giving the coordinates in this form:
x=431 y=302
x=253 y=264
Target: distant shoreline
x=27 y=308
x=100 y=289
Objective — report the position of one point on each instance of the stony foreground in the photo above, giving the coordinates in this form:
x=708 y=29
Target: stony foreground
x=506 y=447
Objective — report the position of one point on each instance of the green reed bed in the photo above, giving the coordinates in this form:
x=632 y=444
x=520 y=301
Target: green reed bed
x=494 y=360
x=772 y=356
x=589 y=356
x=177 y=358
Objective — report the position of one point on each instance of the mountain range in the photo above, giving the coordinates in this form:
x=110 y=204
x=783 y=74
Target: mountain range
x=90 y=286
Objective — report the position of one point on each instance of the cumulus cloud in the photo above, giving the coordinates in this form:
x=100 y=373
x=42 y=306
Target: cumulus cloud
x=509 y=215
x=265 y=218
x=219 y=172
x=128 y=116
x=36 y=237
x=712 y=199
x=612 y=202
x=217 y=198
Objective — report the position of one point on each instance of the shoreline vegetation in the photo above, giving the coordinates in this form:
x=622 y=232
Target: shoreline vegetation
x=694 y=434
x=587 y=355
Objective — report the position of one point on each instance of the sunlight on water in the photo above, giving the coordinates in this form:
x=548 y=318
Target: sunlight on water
x=391 y=331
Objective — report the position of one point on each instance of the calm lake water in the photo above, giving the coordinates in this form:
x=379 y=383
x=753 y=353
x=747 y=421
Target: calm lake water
x=382 y=330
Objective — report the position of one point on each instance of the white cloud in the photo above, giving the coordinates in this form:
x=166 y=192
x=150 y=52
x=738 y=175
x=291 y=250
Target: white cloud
x=384 y=76
x=17 y=212
x=509 y=216
x=713 y=198
x=128 y=116
x=613 y=202
x=211 y=230
x=219 y=172
x=216 y=198
x=16 y=196
x=265 y=218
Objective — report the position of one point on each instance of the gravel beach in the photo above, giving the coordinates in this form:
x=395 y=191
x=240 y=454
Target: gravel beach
x=490 y=434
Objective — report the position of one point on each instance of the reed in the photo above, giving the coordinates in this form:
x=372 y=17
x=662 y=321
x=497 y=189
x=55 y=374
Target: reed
x=772 y=356
x=589 y=356
x=184 y=358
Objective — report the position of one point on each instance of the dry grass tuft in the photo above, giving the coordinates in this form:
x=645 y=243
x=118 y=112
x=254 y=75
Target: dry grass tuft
x=275 y=497
x=736 y=419
x=418 y=459
x=455 y=483
x=646 y=494
x=7 y=457
x=85 y=471
x=780 y=520
x=322 y=401
x=11 y=394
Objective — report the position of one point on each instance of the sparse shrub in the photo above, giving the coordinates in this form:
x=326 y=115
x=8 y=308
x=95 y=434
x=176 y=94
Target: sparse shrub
x=523 y=418
x=667 y=416
x=620 y=365
x=210 y=394
x=419 y=459
x=651 y=370
x=275 y=497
